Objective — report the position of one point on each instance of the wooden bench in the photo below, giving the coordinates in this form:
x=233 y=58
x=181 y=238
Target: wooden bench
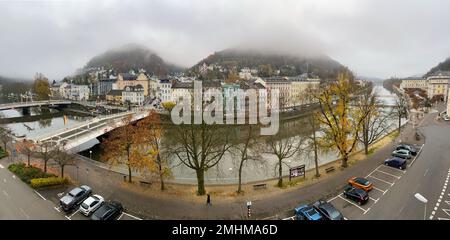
x=329 y=169
x=260 y=186
x=145 y=183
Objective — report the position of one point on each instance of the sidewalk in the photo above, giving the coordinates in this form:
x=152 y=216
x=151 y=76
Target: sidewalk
x=111 y=186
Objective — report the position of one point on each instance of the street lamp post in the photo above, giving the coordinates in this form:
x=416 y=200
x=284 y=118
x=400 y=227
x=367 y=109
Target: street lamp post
x=90 y=154
x=424 y=201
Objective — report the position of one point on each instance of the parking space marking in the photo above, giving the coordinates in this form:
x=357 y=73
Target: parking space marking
x=389 y=174
x=6 y=194
x=1 y=166
x=289 y=218
x=380 y=190
x=57 y=209
x=333 y=198
x=354 y=204
x=129 y=215
x=70 y=217
x=392 y=168
x=392 y=184
x=375 y=200
x=40 y=195
x=417 y=155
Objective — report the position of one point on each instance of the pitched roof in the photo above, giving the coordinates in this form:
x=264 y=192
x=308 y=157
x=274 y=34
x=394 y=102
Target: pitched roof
x=115 y=92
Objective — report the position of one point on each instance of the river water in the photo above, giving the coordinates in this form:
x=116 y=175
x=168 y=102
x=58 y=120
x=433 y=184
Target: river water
x=224 y=173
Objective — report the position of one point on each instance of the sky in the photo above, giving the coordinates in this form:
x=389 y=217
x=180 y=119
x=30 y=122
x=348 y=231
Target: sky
x=374 y=38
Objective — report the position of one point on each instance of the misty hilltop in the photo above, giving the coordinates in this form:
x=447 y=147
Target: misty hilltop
x=266 y=64
x=132 y=56
x=443 y=66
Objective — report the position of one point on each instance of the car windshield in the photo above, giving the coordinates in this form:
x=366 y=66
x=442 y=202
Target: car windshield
x=362 y=181
x=334 y=214
x=311 y=212
x=84 y=205
x=74 y=192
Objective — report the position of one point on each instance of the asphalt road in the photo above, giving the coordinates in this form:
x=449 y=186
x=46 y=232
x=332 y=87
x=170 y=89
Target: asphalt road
x=20 y=202
x=426 y=176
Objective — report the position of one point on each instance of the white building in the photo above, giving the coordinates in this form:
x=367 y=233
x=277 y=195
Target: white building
x=79 y=92
x=133 y=95
x=181 y=89
x=164 y=90
x=414 y=82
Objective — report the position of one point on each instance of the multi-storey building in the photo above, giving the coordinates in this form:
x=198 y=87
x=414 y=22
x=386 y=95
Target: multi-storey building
x=126 y=79
x=133 y=95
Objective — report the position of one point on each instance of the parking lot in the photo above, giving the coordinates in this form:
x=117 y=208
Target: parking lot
x=383 y=178
x=76 y=214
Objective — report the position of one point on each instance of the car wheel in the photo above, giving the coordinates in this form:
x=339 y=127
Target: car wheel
x=386 y=164
x=359 y=203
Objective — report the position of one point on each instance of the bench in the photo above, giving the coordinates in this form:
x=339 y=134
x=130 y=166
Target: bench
x=260 y=186
x=145 y=183
x=329 y=169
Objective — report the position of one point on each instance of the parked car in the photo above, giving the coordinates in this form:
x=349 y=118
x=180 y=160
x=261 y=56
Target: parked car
x=355 y=194
x=306 y=212
x=75 y=197
x=396 y=162
x=361 y=183
x=328 y=211
x=91 y=204
x=402 y=153
x=407 y=147
x=108 y=211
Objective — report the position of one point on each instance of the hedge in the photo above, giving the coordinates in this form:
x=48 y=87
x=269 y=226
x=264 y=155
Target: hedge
x=3 y=153
x=47 y=182
x=27 y=173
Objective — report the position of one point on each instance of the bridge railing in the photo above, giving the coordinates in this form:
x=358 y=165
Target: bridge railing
x=84 y=124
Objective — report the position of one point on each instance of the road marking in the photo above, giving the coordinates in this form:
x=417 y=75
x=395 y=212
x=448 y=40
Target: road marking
x=443 y=219
x=6 y=194
x=345 y=218
x=57 y=209
x=120 y=216
x=129 y=215
x=417 y=155
x=1 y=166
x=392 y=168
x=40 y=195
x=70 y=217
x=14 y=176
x=354 y=204
x=448 y=202
x=4 y=179
x=389 y=174
x=333 y=198
x=426 y=171
x=380 y=190
x=289 y=218
x=392 y=184
x=375 y=200
x=23 y=212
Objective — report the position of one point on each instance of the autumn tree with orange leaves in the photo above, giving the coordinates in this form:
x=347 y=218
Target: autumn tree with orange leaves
x=151 y=151
x=340 y=122
x=121 y=147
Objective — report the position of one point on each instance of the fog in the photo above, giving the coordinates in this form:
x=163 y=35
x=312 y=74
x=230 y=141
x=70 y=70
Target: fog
x=373 y=38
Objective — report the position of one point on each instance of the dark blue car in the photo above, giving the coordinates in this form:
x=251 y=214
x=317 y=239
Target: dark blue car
x=396 y=162
x=306 y=212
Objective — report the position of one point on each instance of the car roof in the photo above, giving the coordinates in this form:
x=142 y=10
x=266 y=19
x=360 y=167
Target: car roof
x=90 y=200
x=75 y=191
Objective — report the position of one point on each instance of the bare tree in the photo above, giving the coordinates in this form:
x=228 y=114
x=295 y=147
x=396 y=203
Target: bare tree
x=246 y=149
x=200 y=147
x=5 y=137
x=284 y=146
x=27 y=148
x=63 y=158
x=400 y=110
x=45 y=151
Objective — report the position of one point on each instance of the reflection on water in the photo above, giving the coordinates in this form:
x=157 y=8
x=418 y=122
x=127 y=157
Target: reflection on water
x=224 y=173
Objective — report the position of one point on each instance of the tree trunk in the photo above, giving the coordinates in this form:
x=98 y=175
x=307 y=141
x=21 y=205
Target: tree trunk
x=161 y=174
x=399 y=123
x=344 y=160
x=28 y=160
x=240 y=176
x=62 y=171
x=45 y=165
x=129 y=173
x=316 y=157
x=366 y=140
x=280 y=174
x=200 y=182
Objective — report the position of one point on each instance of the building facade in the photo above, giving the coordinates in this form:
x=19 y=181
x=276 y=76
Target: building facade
x=133 y=95
x=126 y=79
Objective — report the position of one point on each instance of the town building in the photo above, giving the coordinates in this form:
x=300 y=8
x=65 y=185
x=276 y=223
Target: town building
x=114 y=96
x=164 y=91
x=133 y=95
x=436 y=84
x=127 y=79
x=414 y=83
x=181 y=89
x=79 y=92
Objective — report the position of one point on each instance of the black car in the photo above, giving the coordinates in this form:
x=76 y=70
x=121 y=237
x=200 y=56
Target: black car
x=358 y=195
x=75 y=197
x=328 y=211
x=396 y=162
x=408 y=147
x=108 y=211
